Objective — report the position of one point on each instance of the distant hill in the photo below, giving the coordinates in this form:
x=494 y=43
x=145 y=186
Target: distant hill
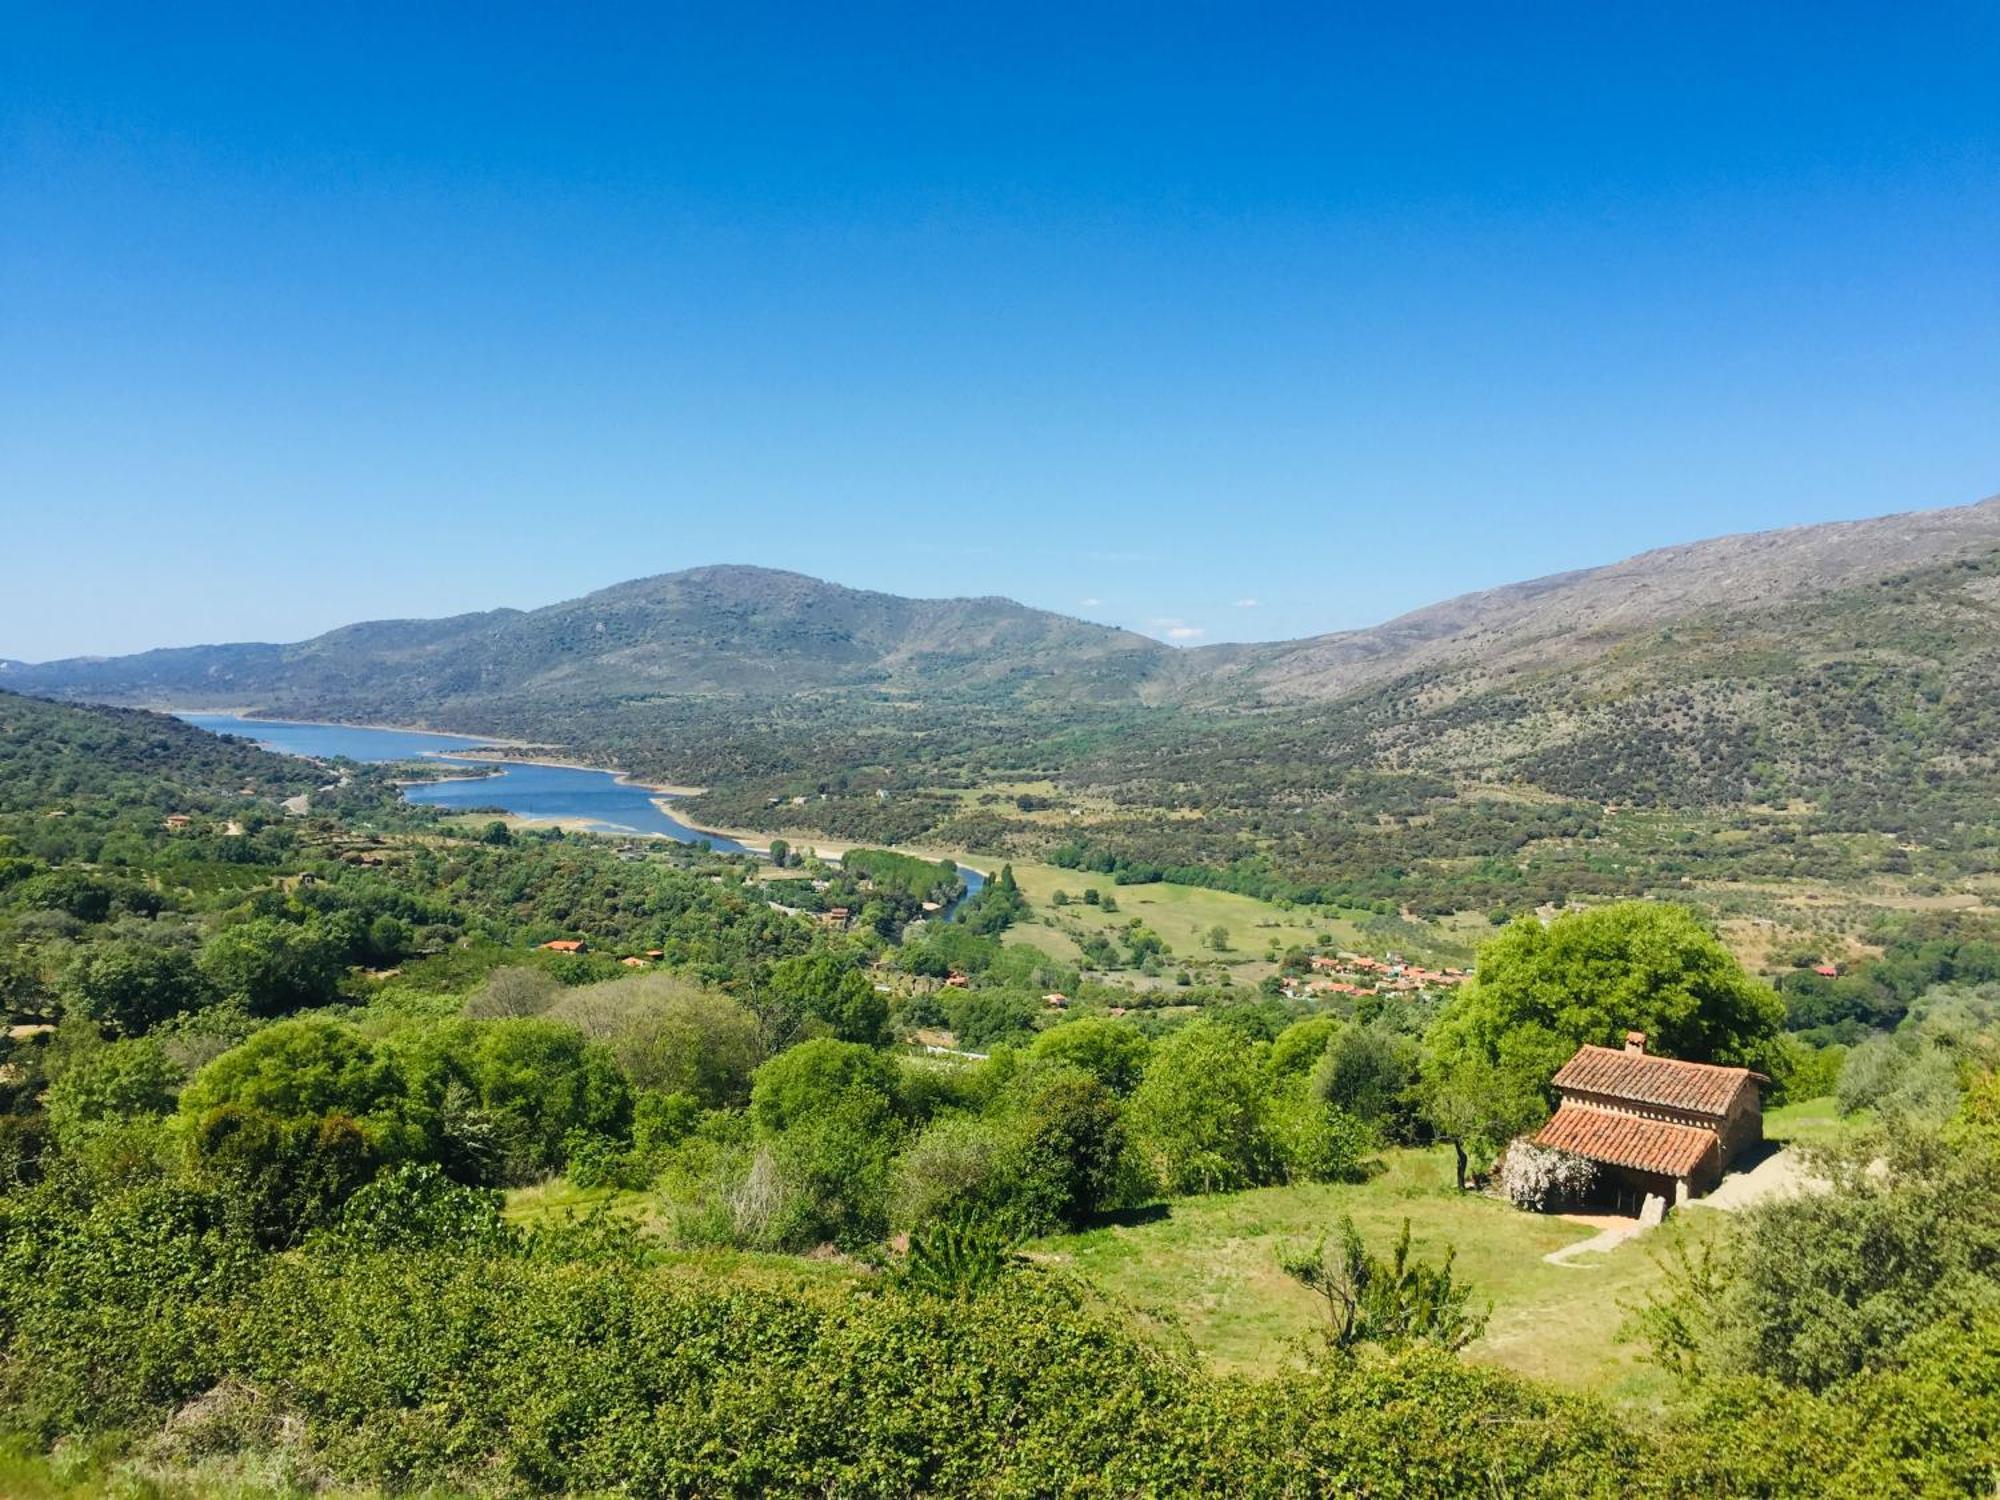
x=714 y=630
x=1570 y=618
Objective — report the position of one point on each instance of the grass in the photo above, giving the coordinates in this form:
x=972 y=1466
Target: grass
x=1184 y=915
x=546 y=1202
x=1210 y=1265
x=1813 y=1122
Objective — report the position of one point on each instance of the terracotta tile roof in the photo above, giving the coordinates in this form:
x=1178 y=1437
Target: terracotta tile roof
x=1701 y=1088
x=1626 y=1140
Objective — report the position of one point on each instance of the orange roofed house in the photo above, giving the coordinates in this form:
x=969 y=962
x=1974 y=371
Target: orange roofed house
x=1655 y=1125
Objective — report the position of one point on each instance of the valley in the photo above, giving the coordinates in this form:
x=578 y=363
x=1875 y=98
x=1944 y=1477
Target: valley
x=1161 y=1003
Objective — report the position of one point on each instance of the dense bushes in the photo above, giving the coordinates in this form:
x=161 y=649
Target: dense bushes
x=570 y=1364
x=419 y=1344
x=1812 y=1289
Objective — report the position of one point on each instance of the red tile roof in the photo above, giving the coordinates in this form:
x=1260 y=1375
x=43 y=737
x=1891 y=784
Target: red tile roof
x=1701 y=1088
x=1627 y=1140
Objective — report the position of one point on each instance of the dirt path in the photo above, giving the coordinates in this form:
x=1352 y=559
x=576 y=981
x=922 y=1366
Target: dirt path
x=1778 y=1175
x=1611 y=1235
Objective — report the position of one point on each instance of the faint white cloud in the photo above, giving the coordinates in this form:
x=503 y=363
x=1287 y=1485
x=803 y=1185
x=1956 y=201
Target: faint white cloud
x=1090 y=604
x=1176 y=629
x=1248 y=603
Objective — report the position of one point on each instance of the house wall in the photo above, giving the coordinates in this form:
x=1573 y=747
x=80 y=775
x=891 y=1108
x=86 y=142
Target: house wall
x=1743 y=1128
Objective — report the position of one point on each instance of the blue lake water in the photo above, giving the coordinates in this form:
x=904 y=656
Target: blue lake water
x=545 y=792
x=328 y=740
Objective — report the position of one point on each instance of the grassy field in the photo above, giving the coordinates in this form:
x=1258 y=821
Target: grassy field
x=1813 y=1122
x=1185 y=915
x=1210 y=1265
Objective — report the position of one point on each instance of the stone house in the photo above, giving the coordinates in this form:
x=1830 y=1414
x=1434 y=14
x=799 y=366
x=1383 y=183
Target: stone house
x=1656 y=1126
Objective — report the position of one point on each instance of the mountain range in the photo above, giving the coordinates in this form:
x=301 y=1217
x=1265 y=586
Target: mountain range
x=757 y=632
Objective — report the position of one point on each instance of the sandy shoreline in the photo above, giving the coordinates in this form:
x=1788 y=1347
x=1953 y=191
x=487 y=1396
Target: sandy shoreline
x=623 y=778
x=457 y=734
x=823 y=848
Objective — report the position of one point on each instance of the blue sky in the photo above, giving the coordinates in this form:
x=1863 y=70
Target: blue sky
x=1221 y=322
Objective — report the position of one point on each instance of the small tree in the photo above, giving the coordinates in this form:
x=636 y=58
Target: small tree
x=1393 y=1303
x=1218 y=938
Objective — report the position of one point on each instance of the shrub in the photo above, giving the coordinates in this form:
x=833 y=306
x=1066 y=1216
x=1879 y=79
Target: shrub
x=102 y=1085
x=1540 y=1180
x=957 y=1257
x=807 y=1078
x=1394 y=1302
x=1300 y=1046
x=959 y=1166
x=1110 y=1051
x=1316 y=1141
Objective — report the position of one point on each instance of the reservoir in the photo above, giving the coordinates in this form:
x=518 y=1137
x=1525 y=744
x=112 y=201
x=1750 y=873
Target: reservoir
x=548 y=793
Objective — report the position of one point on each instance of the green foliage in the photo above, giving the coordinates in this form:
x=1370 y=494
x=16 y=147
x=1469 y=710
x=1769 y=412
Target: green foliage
x=298 y=1069
x=1813 y=1288
x=1299 y=1047
x=1199 y=1118
x=833 y=991
x=500 y=1366
x=1478 y=1105
x=1369 y=1072
x=275 y=966
x=414 y=1206
x=1068 y=1149
x=1393 y=1303
x=959 y=1167
x=278 y=1178
x=923 y=879
x=995 y=907
x=835 y=1167
x=957 y=1257
x=1112 y=1052
x=504 y=1100
x=131 y=987
x=1587 y=976
x=808 y=1078
x=106 y=1084
x=1317 y=1140
x=984 y=1018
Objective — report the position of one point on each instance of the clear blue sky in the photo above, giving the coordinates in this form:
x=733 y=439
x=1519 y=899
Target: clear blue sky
x=313 y=313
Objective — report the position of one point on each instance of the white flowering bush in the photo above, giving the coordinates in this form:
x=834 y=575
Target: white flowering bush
x=1537 y=1178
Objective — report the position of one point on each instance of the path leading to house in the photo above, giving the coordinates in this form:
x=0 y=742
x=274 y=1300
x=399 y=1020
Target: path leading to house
x=1778 y=1175
x=1613 y=1230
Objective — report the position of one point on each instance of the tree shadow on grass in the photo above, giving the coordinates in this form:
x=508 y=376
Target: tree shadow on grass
x=1132 y=1218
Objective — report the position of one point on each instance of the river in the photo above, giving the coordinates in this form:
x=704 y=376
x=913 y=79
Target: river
x=569 y=794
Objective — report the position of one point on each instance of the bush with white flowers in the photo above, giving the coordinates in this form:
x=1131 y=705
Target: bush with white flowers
x=1537 y=1178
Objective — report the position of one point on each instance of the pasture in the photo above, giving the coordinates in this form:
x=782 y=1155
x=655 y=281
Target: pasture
x=1184 y=916
x=1209 y=1265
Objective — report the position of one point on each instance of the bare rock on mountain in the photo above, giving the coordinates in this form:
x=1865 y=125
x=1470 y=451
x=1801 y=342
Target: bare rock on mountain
x=1573 y=617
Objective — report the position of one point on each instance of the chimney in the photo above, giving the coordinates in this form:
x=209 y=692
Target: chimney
x=1635 y=1043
